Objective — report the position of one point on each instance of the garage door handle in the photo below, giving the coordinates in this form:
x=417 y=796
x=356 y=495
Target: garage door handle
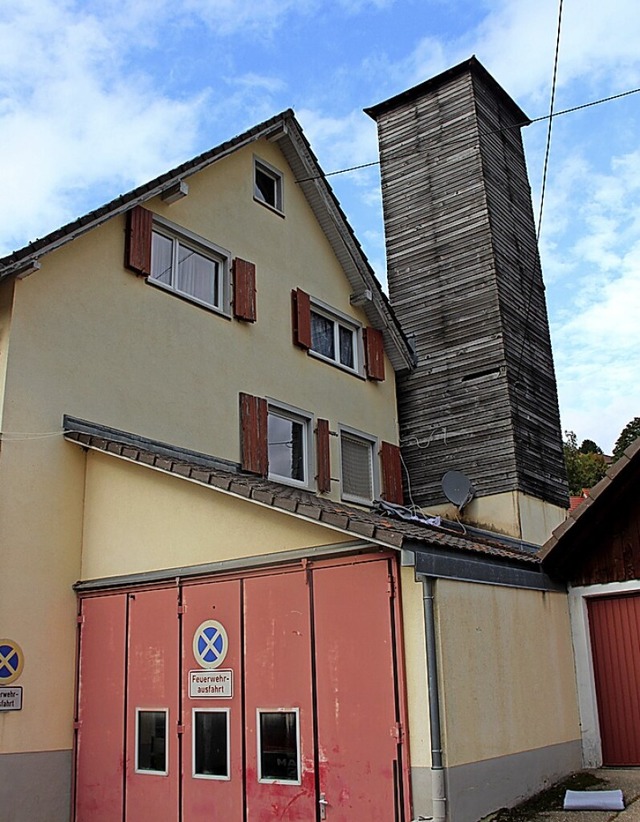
x=323 y=806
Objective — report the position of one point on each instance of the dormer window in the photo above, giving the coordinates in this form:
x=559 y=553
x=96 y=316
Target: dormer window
x=267 y=185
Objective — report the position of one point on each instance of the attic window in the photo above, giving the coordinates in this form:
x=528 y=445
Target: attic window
x=267 y=185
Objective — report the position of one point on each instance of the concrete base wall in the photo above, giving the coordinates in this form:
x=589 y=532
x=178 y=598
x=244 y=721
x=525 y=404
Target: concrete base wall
x=35 y=787
x=478 y=788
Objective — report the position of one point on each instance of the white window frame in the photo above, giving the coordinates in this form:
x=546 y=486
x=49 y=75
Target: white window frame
x=289 y=412
x=260 y=165
x=207 y=249
x=146 y=771
x=375 y=472
x=265 y=780
x=195 y=775
x=344 y=320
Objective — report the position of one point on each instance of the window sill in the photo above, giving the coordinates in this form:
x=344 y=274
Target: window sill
x=269 y=206
x=189 y=299
x=317 y=356
x=365 y=503
x=292 y=483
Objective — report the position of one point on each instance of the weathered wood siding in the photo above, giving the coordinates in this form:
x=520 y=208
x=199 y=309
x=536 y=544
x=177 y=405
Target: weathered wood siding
x=464 y=278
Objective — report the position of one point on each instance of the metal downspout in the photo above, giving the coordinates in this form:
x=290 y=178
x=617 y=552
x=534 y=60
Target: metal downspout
x=438 y=787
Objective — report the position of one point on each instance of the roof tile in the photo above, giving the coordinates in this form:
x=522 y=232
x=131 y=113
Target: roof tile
x=359 y=522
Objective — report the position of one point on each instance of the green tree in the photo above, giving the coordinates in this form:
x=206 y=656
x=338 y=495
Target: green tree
x=629 y=433
x=590 y=447
x=585 y=465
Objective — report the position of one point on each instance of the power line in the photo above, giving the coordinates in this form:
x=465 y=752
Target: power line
x=409 y=152
x=543 y=186
x=551 y=104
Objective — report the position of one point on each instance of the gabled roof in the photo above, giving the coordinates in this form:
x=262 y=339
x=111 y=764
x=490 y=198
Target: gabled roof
x=455 y=548
x=565 y=545
x=285 y=129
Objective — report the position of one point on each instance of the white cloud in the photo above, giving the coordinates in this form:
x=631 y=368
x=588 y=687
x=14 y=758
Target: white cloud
x=227 y=17
x=341 y=141
x=596 y=334
x=71 y=118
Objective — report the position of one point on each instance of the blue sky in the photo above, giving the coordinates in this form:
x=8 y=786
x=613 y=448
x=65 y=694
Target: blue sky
x=99 y=96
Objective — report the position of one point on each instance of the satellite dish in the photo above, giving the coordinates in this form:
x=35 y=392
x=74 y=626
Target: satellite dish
x=457 y=488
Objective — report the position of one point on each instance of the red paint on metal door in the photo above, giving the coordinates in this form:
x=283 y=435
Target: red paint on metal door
x=359 y=768
x=212 y=788
x=614 y=624
x=100 y=740
x=280 y=780
x=152 y=706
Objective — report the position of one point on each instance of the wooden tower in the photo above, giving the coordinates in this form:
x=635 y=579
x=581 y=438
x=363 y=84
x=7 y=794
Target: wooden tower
x=465 y=280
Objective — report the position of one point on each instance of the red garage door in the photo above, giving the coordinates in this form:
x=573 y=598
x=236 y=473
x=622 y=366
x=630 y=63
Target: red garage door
x=275 y=695
x=614 y=624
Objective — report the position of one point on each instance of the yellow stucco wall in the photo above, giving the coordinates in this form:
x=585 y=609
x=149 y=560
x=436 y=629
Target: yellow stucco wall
x=101 y=343
x=506 y=670
x=6 y=303
x=92 y=340
x=42 y=481
x=138 y=519
x=512 y=512
x=416 y=669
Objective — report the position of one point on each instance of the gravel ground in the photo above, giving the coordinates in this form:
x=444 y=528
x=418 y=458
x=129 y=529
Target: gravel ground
x=547 y=806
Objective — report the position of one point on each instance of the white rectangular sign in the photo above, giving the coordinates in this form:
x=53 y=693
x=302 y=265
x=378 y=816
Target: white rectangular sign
x=11 y=699
x=215 y=684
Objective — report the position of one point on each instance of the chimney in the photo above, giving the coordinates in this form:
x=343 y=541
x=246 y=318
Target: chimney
x=465 y=281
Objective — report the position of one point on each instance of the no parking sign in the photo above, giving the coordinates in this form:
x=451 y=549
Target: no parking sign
x=210 y=644
x=11 y=664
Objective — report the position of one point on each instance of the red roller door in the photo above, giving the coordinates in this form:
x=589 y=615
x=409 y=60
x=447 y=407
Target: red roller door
x=614 y=624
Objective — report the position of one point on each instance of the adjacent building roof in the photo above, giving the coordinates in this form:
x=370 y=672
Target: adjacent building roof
x=569 y=540
x=285 y=129
x=451 y=541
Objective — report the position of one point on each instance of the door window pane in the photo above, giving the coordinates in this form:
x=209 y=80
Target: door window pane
x=151 y=753
x=211 y=744
x=279 y=754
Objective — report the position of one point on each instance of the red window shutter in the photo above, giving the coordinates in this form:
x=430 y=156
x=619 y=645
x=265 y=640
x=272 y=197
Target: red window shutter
x=301 y=317
x=323 y=457
x=391 y=473
x=137 y=254
x=244 y=290
x=374 y=353
x=253 y=435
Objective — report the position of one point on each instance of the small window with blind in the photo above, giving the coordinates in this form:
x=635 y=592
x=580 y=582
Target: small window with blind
x=190 y=267
x=359 y=481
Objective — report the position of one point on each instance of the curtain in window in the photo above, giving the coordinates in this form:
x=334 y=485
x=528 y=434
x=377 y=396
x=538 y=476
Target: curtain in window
x=346 y=347
x=322 y=339
x=161 y=258
x=197 y=275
